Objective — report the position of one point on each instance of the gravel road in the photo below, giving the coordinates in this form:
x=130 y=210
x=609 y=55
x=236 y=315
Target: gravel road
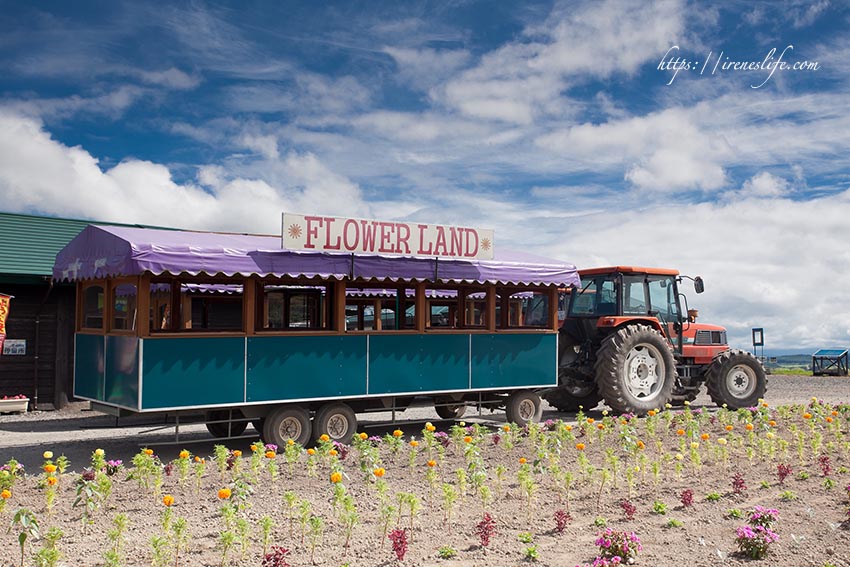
x=76 y=431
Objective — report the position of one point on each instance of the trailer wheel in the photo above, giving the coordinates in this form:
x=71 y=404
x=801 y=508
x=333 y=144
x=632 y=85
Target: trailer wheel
x=448 y=410
x=736 y=379
x=635 y=370
x=285 y=423
x=335 y=420
x=523 y=407
x=224 y=429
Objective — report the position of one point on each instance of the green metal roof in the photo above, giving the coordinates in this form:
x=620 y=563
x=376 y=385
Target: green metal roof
x=29 y=243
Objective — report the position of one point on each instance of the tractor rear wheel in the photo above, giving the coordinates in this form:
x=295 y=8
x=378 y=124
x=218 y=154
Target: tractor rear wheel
x=736 y=379
x=635 y=370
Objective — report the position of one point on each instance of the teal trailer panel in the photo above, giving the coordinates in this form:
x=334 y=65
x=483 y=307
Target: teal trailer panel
x=189 y=372
x=89 y=366
x=418 y=363
x=303 y=367
x=510 y=360
x=122 y=371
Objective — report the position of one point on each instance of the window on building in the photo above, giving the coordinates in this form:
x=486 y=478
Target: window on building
x=124 y=298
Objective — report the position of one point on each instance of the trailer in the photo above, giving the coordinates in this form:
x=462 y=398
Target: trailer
x=298 y=342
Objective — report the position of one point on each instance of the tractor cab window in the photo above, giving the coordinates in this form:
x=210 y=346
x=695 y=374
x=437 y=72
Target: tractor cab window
x=634 y=295
x=663 y=299
x=596 y=297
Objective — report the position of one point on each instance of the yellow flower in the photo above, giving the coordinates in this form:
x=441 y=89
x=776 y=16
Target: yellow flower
x=568 y=427
x=522 y=460
x=52 y=480
x=580 y=446
x=721 y=441
x=770 y=434
x=336 y=477
x=379 y=472
x=687 y=403
x=48 y=454
x=363 y=436
x=679 y=456
x=168 y=500
x=605 y=412
x=432 y=463
x=430 y=426
x=333 y=453
x=324 y=438
x=694 y=445
x=184 y=454
x=224 y=493
x=398 y=433
x=311 y=451
x=255 y=448
x=270 y=454
x=414 y=443
x=99 y=452
x=50 y=468
x=6 y=494
x=290 y=442
x=668 y=406
x=148 y=452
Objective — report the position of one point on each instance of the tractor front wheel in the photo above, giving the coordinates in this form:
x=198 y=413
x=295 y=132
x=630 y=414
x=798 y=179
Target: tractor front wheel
x=635 y=370
x=736 y=379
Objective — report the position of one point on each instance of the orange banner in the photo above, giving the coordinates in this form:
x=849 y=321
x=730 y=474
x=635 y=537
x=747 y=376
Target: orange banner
x=4 y=312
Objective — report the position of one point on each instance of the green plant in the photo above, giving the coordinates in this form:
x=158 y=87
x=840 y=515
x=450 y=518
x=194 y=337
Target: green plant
x=317 y=528
x=764 y=484
x=600 y=522
x=735 y=514
x=525 y=537
x=159 y=551
x=713 y=496
x=674 y=523
x=27 y=526
x=113 y=556
x=828 y=483
x=659 y=508
x=446 y=552
x=531 y=553
x=802 y=475
x=49 y=555
x=226 y=540
x=787 y=495
x=266 y=524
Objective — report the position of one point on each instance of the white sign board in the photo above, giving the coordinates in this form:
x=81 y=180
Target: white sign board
x=342 y=234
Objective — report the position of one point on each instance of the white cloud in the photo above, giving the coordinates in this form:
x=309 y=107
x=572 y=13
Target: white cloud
x=425 y=67
x=765 y=185
x=172 y=78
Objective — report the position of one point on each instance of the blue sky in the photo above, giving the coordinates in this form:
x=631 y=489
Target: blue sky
x=550 y=122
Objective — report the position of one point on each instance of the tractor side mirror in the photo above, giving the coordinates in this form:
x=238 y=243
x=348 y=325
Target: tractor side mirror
x=699 y=286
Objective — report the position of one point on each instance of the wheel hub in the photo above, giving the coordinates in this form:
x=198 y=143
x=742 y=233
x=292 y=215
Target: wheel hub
x=644 y=370
x=337 y=426
x=526 y=409
x=740 y=381
x=290 y=428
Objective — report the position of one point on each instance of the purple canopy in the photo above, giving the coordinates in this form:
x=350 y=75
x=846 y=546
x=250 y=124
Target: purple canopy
x=112 y=251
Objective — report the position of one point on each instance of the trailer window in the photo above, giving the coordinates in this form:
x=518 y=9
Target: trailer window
x=124 y=298
x=93 y=307
x=293 y=307
x=529 y=309
x=217 y=313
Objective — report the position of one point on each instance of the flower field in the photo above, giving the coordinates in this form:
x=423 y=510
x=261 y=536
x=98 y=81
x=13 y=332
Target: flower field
x=678 y=485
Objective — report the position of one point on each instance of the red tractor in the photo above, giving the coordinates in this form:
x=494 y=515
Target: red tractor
x=627 y=340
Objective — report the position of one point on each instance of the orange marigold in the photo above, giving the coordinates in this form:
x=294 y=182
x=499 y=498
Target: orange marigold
x=749 y=427
x=641 y=445
x=270 y=454
x=311 y=451
x=467 y=439
x=829 y=419
x=568 y=427
x=168 y=500
x=50 y=468
x=333 y=452
x=52 y=480
x=237 y=453
x=198 y=459
x=324 y=438
x=771 y=423
x=680 y=432
x=506 y=428
x=290 y=441
x=148 y=452
x=6 y=494
x=580 y=446
x=730 y=427
x=651 y=412
x=184 y=454
x=704 y=436
x=590 y=420
x=432 y=463
x=363 y=436
x=834 y=413
x=600 y=426
x=522 y=460
x=807 y=415
x=336 y=477
x=224 y=493
x=414 y=443
x=430 y=427
x=398 y=433
x=379 y=472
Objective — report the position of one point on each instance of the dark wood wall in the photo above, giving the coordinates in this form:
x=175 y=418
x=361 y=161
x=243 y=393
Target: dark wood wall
x=54 y=365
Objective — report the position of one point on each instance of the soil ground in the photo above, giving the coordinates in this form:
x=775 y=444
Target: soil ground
x=811 y=527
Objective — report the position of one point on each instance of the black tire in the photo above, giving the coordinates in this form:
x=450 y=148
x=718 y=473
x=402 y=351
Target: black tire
x=736 y=378
x=285 y=423
x=336 y=420
x=523 y=407
x=635 y=370
x=448 y=410
x=576 y=390
x=223 y=429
